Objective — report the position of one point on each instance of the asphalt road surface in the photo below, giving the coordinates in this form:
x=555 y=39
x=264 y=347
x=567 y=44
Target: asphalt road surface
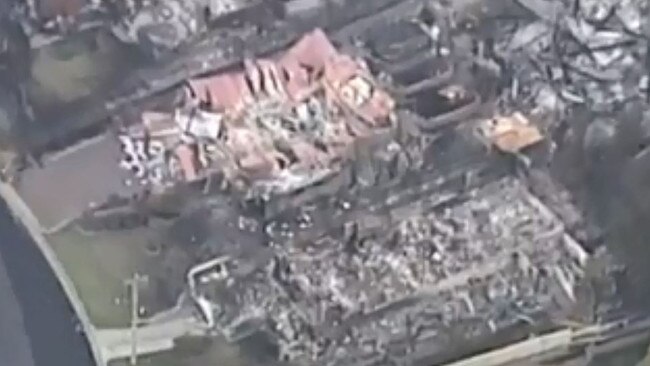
x=37 y=324
x=14 y=343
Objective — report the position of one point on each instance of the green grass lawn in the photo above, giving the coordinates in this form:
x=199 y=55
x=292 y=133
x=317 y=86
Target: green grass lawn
x=98 y=265
x=74 y=68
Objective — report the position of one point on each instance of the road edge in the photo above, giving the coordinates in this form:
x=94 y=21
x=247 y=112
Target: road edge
x=25 y=217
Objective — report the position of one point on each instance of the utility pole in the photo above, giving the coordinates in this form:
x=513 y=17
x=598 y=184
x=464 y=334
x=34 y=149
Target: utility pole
x=133 y=284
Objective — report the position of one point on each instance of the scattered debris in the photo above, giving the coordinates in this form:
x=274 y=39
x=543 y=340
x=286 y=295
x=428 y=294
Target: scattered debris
x=591 y=54
x=512 y=133
x=359 y=256
x=281 y=121
x=404 y=284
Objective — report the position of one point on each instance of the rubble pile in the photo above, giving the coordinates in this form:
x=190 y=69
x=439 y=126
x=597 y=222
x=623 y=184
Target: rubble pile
x=584 y=66
x=396 y=264
x=280 y=122
x=161 y=26
x=458 y=268
x=378 y=271
x=156 y=27
x=382 y=223
x=564 y=54
x=379 y=239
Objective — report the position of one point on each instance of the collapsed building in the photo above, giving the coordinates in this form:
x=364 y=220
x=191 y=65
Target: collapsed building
x=279 y=124
x=399 y=282
x=389 y=234
x=451 y=251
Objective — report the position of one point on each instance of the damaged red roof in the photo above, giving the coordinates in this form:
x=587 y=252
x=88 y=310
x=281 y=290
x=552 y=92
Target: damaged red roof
x=293 y=76
x=348 y=101
x=54 y=8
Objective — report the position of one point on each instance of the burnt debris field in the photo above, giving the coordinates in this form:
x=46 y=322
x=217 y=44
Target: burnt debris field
x=355 y=182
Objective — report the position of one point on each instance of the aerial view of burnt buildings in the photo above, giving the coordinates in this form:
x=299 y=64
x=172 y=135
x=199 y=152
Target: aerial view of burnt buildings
x=362 y=182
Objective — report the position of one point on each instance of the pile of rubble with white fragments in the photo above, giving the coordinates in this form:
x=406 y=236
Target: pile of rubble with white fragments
x=281 y=122
x=443 y=269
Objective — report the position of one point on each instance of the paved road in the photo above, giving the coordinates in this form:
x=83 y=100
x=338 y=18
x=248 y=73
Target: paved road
x=14 y=342
x=46 y=335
